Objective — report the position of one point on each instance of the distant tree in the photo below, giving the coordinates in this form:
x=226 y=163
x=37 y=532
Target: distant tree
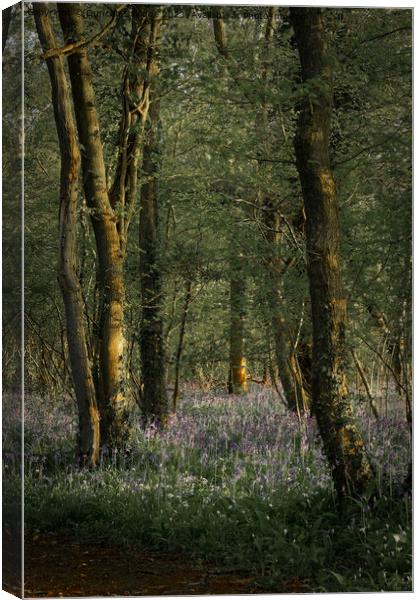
x=155 y=405
x=179 y=349
x=237 y=382
x=237 y=373
x=273 y=219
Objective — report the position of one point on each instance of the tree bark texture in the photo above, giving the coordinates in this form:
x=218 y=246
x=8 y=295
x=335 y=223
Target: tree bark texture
x=153 y=364
x=114 y=403
x=89 y=434
x=344 y=447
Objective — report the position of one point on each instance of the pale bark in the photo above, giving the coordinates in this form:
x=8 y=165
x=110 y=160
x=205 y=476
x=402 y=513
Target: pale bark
x=220 y=35
x=89 y=435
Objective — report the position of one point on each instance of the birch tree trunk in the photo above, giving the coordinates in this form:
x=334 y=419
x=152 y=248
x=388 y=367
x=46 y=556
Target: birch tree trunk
x=344 y=447
x=89 y=435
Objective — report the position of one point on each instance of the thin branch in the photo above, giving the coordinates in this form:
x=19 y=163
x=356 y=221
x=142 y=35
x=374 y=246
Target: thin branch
x=282 y=216
x=377 y=37
x=383 y=360
x=71 y=48
x=365 y=382
x=371 y=147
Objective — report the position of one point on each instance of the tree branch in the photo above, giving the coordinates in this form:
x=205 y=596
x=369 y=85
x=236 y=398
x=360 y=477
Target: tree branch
x=371 y=147
x=73 y=47
x=377 y=37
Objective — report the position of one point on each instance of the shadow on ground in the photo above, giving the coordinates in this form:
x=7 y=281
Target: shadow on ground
x=55 y=566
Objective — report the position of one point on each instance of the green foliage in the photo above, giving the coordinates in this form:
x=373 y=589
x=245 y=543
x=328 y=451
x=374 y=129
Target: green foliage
x=248 y=489
x=227 y=133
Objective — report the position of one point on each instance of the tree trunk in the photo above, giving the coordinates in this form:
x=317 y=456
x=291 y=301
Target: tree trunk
x=393 y=342
x=364 y=380
x=88 y=446
x=286 y=360
x=237 y=375
x=188 y=296
x=114 y=403
x=155 y=400
x=136 y=87
x=344 y=447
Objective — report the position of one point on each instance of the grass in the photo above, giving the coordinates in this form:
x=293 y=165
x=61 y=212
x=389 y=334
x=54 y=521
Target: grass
x=235 y=479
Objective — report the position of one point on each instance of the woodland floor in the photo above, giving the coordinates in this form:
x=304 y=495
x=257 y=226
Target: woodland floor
x=59 y=567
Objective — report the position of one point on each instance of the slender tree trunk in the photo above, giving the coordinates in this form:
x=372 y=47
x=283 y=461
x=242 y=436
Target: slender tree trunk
x=365 y=383
x=153 y=365
x=188 y=296
x=286 y=359
x=392 y=340
x=115 y=406
x=238 y=373
x=344 y=447
x=136 y=88
x=88 y=446
x=237 y=376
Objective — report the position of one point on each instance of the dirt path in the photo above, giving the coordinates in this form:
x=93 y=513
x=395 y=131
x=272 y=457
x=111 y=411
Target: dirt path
x=55 y=566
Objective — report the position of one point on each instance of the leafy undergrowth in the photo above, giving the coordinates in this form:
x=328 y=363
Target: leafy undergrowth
x=233 y=479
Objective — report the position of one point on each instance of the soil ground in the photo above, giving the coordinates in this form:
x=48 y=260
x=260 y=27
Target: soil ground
x=58 y=567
